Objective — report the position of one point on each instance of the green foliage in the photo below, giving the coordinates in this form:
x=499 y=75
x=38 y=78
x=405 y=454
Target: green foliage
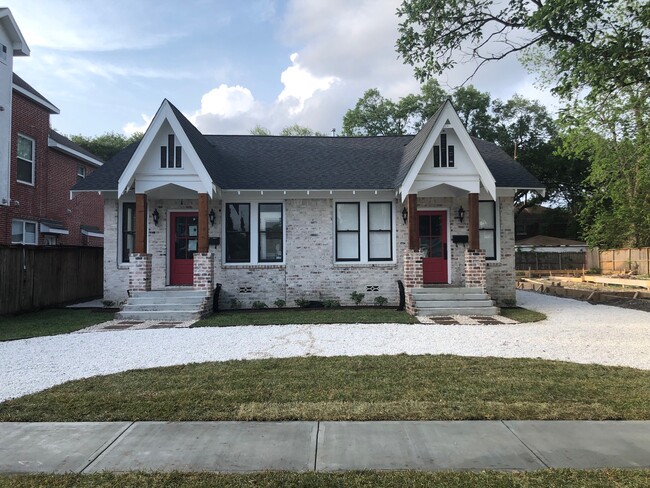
x=381 y=301
x=357 y=297
x=302 y=302
x=49 y=322
x=279 y=303
x=258 y=130
x=300 y=131
x=107 y=145
x=234 y=303
x=258 y=305
x=331 y=303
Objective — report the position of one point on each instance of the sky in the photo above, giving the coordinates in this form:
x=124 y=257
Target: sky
x=227 y=65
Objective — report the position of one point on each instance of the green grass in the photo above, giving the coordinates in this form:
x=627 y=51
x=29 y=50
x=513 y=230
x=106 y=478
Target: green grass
x=360 y=315
x=49 y=322
x=522 y=314
x=348 y=388
x=549 y=478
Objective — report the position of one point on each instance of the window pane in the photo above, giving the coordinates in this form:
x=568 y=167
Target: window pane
x=30 y=233
x=347 y=216
x=347 y=245
x=24 y=171
x=486 y=215
x=487 y=242
x=24 y=149
x=379 y=245
x=270 y=232
x=238 y=246
x=129 y=247
x=379 y=216
x=238 y=217
x=16 y=231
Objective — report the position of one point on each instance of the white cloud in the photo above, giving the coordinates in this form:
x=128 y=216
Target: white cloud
x=227 y=101
x=300 y=85
x=132 y=127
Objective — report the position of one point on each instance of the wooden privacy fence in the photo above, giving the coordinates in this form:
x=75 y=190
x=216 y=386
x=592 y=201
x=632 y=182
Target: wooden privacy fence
x=533 y=260
x=37 y=277
x=614 y=261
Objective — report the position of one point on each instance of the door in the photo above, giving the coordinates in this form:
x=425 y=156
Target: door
x=433 y=244
x=183 y=240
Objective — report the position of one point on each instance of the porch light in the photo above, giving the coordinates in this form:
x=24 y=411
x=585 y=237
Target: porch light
x=461 y=214
x=212 y=217
x=405 y=214
x=155 y=216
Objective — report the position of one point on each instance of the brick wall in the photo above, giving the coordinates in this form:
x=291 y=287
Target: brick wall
x=500 y=275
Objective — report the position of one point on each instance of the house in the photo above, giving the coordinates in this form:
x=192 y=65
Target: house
x=310 y=218
x=550 y=244
x=39 y=166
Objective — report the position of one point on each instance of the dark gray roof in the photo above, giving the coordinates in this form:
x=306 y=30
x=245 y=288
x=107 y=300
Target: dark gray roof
x=64 y=141
x=310 y=163
x=18 y=81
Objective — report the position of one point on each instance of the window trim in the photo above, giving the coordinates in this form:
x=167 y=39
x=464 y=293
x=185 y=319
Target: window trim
x=336 y=233
x=81 y=172
x=22 y=242
x=495 y=230
x=33 y=161
x=123 y=232
x=259 y=232
x=390 y=231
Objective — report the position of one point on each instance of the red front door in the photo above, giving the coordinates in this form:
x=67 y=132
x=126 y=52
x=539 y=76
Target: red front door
x=183 y=239
x=433 y=244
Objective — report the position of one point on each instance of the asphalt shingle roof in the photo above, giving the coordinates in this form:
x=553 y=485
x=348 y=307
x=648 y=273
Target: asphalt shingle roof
x=64 y=141
x=18 y=81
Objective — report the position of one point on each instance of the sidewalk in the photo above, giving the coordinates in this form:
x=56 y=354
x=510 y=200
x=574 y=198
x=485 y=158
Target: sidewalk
x=322 y=446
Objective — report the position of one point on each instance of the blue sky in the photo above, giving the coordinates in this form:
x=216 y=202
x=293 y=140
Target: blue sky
x=227 y=65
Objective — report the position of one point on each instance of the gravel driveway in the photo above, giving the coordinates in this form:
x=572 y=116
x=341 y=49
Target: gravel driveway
x=574 y=331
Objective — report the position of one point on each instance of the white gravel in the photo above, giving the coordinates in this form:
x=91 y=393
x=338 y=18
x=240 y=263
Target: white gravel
x=574 y=331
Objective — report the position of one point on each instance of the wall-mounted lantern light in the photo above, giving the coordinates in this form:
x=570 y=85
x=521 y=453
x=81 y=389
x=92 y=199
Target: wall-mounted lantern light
x=212 y=217
x=461 y=214
x=155 y=216
x=405 y=214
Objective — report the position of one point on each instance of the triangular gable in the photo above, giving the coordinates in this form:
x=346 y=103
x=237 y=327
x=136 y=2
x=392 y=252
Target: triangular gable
x=447 y=115
x=19 y=45
x=164 y=115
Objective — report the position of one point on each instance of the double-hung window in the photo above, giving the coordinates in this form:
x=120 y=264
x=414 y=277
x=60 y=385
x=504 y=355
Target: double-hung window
x=23 y=232
x=364 y=231
x=487 y=228
x=270 y=242
x=254 y=233
x=238 y=233
x=128 y=230
x=380 y=231
x=348 y=246
x=25 y=159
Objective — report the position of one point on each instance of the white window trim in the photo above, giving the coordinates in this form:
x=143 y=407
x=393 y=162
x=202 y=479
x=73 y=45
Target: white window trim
x=81 y=171
x=363 y=232
x=120 y=217
x=254 y=233
x=33 y=161
x=497 y=231
x=36 y=233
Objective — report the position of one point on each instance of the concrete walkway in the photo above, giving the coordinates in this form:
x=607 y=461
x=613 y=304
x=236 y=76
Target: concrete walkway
x=322 y=446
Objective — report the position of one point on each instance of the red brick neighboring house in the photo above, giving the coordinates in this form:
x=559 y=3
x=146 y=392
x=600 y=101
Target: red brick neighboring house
x=44 y=166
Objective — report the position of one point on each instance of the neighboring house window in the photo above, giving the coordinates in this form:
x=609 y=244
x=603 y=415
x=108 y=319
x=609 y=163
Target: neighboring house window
x=270 y=233
x=238 y=233
x=171 y=155
x=23 y=232
x=128 y=230
x=487 y=228
x=81 y=172
x=380 y=231
x=347 y=232
x=25 y=167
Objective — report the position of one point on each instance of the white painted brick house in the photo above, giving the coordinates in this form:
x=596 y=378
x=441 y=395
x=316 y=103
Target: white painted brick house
x=309 y=218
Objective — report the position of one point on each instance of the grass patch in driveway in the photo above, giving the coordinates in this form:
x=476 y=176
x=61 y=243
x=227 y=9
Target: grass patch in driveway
x=606 y=478
x=348 y=388
x=361 y=315
x=48 y=322
x=522 y=315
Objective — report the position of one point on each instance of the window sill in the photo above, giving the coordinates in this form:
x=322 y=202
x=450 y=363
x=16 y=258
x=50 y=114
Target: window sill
x=365 y=264
x=253 y=266
x=26 y=183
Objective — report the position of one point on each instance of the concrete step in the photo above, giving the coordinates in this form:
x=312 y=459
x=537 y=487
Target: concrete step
x=450 y=296
x=173 y=300
x=446 y=290
x=173 y=292
x=158 y=306
x=162 y=315
x=453 y=303
x=457 y=311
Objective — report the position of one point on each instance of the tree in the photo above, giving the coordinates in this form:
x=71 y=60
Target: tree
x=601 y=45
x=299 y=130
x=258 y=130
x=107 y=145
x=373 y=115
x=473 y=107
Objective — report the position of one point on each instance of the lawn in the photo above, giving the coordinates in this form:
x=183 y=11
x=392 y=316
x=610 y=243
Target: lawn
x=49 y=322
x=348 y=388
x=609 y=478
x=522 y=314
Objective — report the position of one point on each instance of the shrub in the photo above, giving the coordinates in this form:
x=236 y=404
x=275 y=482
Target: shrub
x=257 y=304
x=302 y=302
x=331 y=303
x=381 y=301
x=279 y=303
x=108 y=303
x=234 y=303
x=357 y=297
x=594 y=271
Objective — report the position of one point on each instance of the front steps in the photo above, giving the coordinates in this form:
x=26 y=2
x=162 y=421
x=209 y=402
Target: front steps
x=452 y=301
x=169 y=305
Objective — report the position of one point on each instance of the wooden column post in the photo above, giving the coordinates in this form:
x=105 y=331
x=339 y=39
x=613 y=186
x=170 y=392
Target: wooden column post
x=140 y=223
x=203 y=223
x=414 y=242
x=473 y=222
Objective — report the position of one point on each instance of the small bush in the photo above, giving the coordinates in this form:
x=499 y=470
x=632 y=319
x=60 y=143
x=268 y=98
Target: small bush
x=357 y=297
x=234 y=303
x=108 y=303
x=302 y=302
x=279 y=303
x=509 y=302
x=331 y=303
x=594 y=271
x=257 y=305
x=381 y=301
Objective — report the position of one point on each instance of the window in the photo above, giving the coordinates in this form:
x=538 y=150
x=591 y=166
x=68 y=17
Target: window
x=380 y=230
x=25 y=157
x=487 y=228
x=270 y=233
x=443 y=154
x=347 y=232
x=81 y=172
x=128 y=230
x=23 y=232
x=171 y=155
x=238 y=233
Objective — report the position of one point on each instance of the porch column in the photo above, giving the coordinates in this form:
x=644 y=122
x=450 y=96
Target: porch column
x=140 y=223
x=203 y=223
x=473 y=222
x=412 y=202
